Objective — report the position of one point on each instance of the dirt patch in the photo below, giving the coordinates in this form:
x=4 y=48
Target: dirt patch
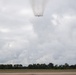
x=56 y=73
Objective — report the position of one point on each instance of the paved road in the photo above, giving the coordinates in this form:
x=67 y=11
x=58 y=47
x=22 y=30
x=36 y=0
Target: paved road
x=52 y=73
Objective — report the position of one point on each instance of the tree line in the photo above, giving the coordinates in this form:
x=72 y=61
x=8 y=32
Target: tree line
x=37 y=66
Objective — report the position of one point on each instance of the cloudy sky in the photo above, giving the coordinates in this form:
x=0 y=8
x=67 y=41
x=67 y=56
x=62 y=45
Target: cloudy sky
x=26 y=39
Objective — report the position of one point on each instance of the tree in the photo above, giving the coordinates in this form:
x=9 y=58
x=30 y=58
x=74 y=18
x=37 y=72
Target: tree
x=50 y=65
x=66 y=66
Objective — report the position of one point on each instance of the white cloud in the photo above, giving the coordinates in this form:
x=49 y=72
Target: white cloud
x=27 y=39
x=4 y=30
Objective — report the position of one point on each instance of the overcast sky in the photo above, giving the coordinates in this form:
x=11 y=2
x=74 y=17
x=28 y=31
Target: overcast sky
x=26 y=39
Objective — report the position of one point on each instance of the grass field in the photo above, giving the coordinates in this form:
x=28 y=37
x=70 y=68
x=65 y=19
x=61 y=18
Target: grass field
x=34 y=70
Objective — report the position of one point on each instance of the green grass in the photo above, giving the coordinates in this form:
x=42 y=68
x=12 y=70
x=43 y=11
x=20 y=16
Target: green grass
x=34 y=70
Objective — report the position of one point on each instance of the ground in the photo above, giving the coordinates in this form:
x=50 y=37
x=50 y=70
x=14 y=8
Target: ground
x=37 y=72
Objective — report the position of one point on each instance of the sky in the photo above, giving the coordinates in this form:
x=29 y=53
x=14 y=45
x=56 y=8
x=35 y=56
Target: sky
x=27 y=39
